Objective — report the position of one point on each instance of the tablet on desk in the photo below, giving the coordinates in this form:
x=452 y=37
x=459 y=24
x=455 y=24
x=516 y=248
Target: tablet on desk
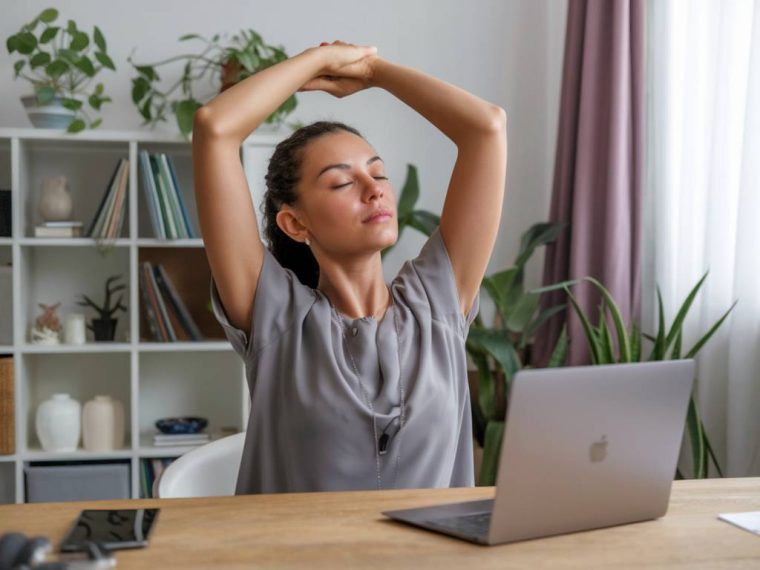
x=115 y=529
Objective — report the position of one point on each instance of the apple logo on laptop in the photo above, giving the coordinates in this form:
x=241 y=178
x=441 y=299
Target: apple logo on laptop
x=598 y=450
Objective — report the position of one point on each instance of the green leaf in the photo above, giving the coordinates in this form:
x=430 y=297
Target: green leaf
x=39 y=59
x=537 y=235
x=49 y=34
x=500 y=286
x=409 y=193
x=94 y=101
x=624 y=344
x=99 y=89
x=555 y=287
x=71 y=27
x=18 y=66
x=522 y=313
x=85 y=66
x=96 y=123
x=79 y=41
x=675 y=329
x=560 y=351
x=423 y=221
x=694 y=426
x=148 y=71
x=139 y=89
x=189 y=37
x=99 y=39
x=48 y=15
x=538 y=322
x=593 y=343
x=635 y=336
x=11 y=44
x=185 y=110
x=491 y=452
x=56 y=68
x=606 y=352
x=712 y=454
x=658 y=351
x=104 y=60
x=145 y=109
x=676 y=354
x=701 y=342
x=486 y=384
x=76 y=126
x=45 y=95
x=498 y=346
x=25 y=43
x=71 y=104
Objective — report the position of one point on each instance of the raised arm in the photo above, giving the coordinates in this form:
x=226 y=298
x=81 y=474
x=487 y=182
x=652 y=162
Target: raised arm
x=472 y=208
x=225 y=210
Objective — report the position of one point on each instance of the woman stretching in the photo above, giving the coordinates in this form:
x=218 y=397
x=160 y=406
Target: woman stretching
x=355 y=383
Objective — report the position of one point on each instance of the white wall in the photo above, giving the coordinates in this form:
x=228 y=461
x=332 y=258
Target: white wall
x=508 y=52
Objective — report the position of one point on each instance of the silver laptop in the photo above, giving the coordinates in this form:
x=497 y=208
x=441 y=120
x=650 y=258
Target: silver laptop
x=584 y=447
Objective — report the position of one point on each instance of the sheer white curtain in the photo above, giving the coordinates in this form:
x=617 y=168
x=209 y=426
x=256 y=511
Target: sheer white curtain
x=702 y=207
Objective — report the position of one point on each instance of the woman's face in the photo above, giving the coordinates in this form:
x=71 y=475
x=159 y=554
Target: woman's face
x=345 y=199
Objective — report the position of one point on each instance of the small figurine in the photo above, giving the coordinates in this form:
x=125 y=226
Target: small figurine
x=47 y=327
x=104 y=327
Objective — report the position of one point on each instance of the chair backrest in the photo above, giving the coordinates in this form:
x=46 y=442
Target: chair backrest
x=207 y=471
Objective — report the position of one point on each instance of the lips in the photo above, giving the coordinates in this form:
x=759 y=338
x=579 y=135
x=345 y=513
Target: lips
x=378 y=216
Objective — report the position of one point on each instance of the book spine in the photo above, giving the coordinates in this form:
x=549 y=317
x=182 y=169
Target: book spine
x=171 y=229
x=113 y=226
x=106 y=193
x=150 y=315
x=151 y=195
x=172 y=194
x=106 y=213
x=163 y=335
x=175 y=179
x=172 y=337
x=186 y=320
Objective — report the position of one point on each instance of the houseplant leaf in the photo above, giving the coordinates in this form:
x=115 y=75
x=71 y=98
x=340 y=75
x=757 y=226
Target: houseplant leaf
x=624 y=345
x=491 y=451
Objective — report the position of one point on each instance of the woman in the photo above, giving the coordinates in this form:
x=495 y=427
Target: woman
x=355 y=383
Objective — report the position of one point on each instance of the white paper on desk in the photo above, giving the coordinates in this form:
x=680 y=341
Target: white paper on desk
x=748 y=521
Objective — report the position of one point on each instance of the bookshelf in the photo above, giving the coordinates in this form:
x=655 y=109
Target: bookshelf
x=152 y=379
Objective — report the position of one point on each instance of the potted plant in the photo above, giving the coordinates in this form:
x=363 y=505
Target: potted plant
x=223 y=63
x=104 y=327
x=61 y=63
x=666 y=345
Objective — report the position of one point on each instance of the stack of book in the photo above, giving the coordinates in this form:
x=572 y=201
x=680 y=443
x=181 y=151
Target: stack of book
x=167 y=316
x=163 y=195
x=166 y=439
x=150 y=470
x=63 y=229
x=109 y=218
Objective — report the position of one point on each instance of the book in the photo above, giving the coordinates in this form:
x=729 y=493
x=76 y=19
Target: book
x=190 y=231
x=170 y=293
x=115 y=220
x=171 y=228
x=107 y=195
x=7 y=407
x=151 y=195
x=150 y=311
x=62 y=224
x=163 y=172
x=180 y=439
x=155 y=302
x=62 y=232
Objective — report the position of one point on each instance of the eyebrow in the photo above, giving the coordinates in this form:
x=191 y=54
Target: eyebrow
x=344 y=166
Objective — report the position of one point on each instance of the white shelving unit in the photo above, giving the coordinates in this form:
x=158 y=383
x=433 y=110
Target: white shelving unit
x=152 y=379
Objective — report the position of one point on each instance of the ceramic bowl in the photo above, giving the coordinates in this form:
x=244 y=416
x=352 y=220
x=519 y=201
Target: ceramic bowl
x=181 y=425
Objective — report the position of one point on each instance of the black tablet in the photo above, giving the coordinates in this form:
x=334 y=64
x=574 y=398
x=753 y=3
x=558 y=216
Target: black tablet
x=114 y=529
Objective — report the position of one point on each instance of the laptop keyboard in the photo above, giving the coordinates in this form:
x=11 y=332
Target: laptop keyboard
x=472 y=525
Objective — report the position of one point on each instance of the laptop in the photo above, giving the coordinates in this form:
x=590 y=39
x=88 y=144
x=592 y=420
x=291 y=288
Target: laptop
x=584 y=447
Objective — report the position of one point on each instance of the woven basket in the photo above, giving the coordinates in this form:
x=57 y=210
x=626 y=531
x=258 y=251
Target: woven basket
x=7 y=408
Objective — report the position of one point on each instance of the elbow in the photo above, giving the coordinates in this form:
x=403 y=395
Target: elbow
x=497 y=122
x=205 y=124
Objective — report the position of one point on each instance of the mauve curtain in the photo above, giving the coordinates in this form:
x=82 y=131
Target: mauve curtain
x=598 y=172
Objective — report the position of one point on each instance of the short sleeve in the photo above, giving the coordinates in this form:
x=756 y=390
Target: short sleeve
x=281 y=300
x=429 y=278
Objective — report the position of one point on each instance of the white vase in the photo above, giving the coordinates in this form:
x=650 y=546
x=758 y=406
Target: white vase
x=103 y=424
x=58 y=423
x=55 y=199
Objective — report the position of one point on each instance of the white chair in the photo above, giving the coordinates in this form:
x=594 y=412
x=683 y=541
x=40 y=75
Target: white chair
x=208 y=471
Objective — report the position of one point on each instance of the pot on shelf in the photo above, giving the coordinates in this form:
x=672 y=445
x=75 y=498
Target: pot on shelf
x=52 y=115
x=58 y=423
x=103 y=329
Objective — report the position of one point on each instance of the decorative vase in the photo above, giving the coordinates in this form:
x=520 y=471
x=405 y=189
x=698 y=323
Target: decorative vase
x=50 y=116
x=104 y=329
x=74 y=331
x=58 y=423
x=55 y=199
x=103 y=424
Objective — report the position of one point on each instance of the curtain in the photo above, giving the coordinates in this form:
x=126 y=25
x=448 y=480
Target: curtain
x=598 y=173
x=703 y=204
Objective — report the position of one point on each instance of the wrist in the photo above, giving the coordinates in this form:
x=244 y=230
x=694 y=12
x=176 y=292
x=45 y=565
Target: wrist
x=380 y=70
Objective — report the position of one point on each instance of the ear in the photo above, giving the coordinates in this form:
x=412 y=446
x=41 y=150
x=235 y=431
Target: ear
x=288 y=220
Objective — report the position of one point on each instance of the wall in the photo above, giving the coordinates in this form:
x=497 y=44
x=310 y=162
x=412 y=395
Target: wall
x=508 y=52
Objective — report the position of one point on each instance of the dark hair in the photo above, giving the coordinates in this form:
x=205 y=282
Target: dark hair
x=282 y=176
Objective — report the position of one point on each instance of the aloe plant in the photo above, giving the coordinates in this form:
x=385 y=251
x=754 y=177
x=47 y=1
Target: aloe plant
x=666 y=345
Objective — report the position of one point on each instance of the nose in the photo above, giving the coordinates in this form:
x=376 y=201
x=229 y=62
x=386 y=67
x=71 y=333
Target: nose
x=372 y=189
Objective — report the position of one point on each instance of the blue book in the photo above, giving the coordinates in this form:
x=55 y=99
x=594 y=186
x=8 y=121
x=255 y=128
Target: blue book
x=151 y=195
x=190 y=232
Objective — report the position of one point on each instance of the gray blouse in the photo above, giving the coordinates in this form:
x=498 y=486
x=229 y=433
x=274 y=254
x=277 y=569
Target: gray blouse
x=310 y=427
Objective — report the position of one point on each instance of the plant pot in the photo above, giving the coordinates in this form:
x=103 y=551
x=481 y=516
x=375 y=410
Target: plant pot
x=104 y=329
x=50 y=116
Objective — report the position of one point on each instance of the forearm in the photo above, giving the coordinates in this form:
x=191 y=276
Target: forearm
x=455 y=112
x=236 y=112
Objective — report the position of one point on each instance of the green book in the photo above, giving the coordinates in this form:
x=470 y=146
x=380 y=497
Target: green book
x=166 y=215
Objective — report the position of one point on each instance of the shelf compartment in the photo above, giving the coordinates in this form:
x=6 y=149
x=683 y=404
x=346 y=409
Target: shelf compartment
x=88 y=167
x=54 y=275
x=205 y=385
x=82 y=376
x=6 y=296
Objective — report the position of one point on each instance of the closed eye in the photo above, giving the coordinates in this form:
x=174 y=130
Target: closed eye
x=349 y=183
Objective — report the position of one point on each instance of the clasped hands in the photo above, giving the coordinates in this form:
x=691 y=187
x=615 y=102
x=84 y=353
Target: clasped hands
x=346 y=68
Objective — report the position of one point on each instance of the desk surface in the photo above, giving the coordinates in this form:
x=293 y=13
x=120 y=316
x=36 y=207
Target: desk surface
x=346 y=530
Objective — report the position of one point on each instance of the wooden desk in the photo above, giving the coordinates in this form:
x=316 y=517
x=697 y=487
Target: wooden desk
x=346 y=530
